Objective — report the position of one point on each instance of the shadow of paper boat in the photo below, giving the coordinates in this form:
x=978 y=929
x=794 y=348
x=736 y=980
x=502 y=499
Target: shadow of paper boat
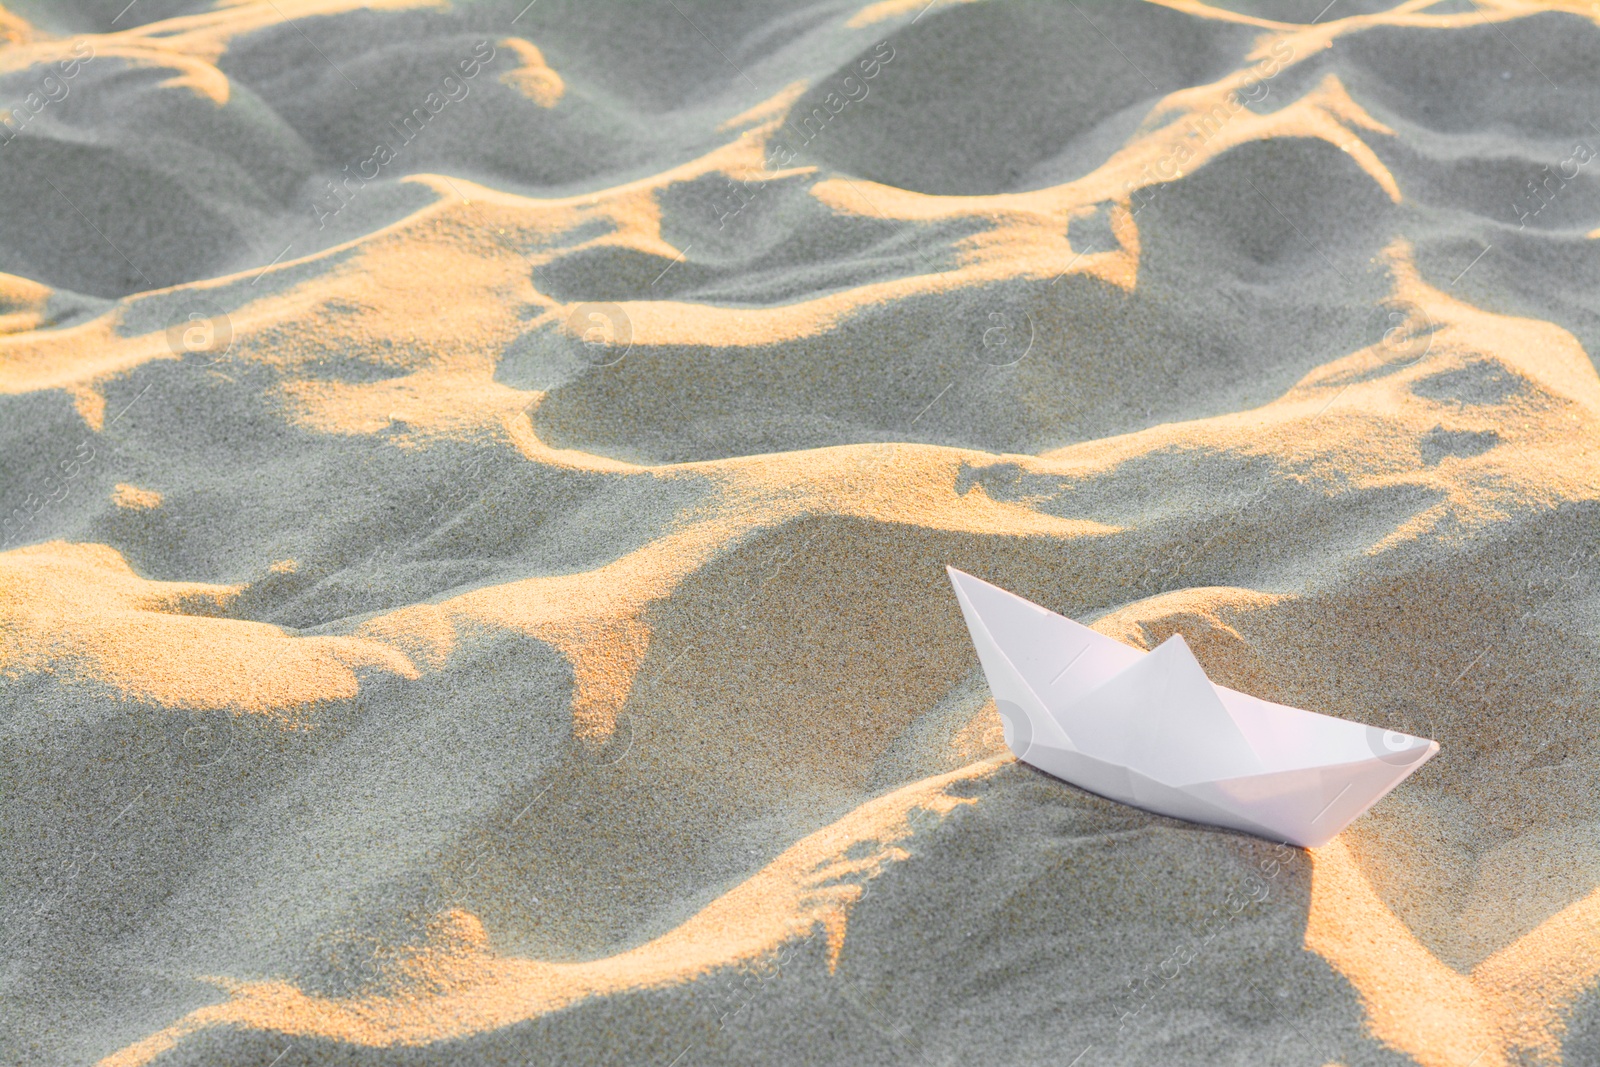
x=1151 y=730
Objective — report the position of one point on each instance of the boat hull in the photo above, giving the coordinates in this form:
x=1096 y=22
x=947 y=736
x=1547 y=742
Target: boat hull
x=1089 y=710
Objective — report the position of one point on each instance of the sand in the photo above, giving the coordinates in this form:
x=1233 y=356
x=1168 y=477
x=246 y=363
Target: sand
x=476 y=481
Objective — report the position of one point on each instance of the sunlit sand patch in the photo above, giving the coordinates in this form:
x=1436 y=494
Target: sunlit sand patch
x=80 y=613
x=1414 y=1003
x=208 y=33
x=884 y=10
x=458 y=987
x=532 y=77
x=1508 y=1009
x=1407 y=13
x=453 y=331
x=1182 y=134
x=79 y=360
x=195 y=73
x=1353 y=421
x=909 y=484
x=14 y=29
x=1026 y=239
x=981 y=737
x=1536 y=980
x=454 y=307
x=22 y=304
x=190 y=45
x=772 y=109
x=135 y=499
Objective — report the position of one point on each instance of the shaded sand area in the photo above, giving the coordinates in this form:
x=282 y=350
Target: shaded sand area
x=476 y=481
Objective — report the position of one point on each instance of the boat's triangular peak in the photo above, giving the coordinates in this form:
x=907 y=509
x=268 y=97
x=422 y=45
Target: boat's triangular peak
x=1163 y=718
x=1150 y=729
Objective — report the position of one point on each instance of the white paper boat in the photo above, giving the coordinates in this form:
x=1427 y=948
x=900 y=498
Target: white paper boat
x=1151 y=730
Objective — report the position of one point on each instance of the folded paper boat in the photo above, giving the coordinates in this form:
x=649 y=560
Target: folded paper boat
x=1151 y=730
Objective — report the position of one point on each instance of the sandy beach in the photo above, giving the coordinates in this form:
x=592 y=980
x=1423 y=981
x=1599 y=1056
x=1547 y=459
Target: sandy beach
x=477 y=478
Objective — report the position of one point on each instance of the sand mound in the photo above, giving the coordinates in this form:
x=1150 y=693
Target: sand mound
x=476 y=481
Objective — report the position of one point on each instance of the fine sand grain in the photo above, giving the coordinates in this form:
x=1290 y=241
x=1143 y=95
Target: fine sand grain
x=476 y=480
